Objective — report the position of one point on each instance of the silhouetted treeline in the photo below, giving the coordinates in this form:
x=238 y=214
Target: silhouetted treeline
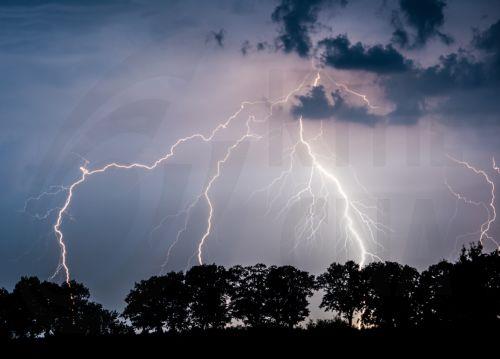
x=211 y=297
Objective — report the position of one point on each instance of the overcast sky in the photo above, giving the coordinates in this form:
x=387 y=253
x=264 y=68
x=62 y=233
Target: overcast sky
x=123 y=80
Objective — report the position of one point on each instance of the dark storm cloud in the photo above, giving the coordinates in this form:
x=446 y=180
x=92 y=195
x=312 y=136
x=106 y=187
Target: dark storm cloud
x=460 y=88
x=489 y=42
x=315 y=105
x=424 y=17
x=297 y=18
x=463 y=87
x=357 y=114
x=341 y=54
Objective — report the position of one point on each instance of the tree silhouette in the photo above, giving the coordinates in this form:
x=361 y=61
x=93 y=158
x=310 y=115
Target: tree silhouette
x=74 y=314
x=249 y=294
x=343 y=286
x=336 y=323
x=94 y=320
x=435 y=296
x=4 y=312
x=159 y=302
x=71 y=313
x=287 y=292
x=28 y=310
x=37 y=308
x=476 y=287
x=492 y=284
x=67 y=307
x=463 y=294
x=390 y=295
x=209 y=289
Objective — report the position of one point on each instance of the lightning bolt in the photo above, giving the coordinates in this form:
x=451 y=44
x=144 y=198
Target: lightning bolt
x=352 y=212
x=495 y=167
x=206 y=194
x=220 y=163
x=316 y=217
x=344 y=87
x=86 y=173
x=490 y=206
x=52 y=191
x=349 y=208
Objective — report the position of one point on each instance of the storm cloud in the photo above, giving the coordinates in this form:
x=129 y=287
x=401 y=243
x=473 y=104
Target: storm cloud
x=297 y=18
x=459 y=89
x=315 y=105
x=424 y=18
x=341 y=54
x=489 y=42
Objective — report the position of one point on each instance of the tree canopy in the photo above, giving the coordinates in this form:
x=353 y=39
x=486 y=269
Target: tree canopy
x=465 y=293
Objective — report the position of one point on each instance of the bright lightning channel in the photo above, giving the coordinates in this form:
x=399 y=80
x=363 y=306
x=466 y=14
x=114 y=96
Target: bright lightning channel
x=490 y=206
x=348 y=205
x=316 y=217
x=351 y=209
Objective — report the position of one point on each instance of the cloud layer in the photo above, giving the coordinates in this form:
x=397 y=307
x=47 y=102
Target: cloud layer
x=418 y=21
x=315 y=105
x=459 y=88
x=341 y=54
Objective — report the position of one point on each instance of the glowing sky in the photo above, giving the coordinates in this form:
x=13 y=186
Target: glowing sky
x=123 y=81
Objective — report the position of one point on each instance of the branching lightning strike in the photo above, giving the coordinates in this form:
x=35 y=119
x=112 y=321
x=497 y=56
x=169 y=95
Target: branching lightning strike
x=490 y=208
x=315 y=218
x=352 y=213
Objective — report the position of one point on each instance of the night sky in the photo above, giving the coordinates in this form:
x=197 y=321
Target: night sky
x=403 y=86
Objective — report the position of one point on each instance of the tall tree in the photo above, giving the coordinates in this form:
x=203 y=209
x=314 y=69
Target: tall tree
x=28 y=314
x=287 y=292
x=67 y=306
x=209 y=288
x=44 y=308
x=249 y=294
x=4 y=311
x=435 y=295
x=343 y=287
x=493 y=284
x=390 y=296
x=70 y=312
x=159 y=302
x=476 y=287
x=177 y=300
x=94 y=320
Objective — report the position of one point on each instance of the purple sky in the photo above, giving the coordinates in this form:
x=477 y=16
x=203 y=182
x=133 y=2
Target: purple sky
x=123 y=81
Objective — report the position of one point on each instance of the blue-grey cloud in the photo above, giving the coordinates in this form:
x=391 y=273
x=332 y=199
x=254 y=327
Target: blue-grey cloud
x=315 y=105
x=489 y=42
x=425 y=19
x=341 y=54
x=297 y=18
x=465 y=87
